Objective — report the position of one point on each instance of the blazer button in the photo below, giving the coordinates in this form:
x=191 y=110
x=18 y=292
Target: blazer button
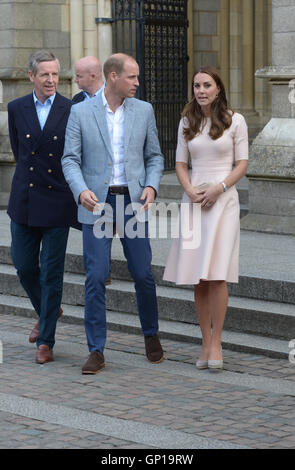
x=55 y=137
x=49 y=187
x=31 y=185
x=32 y=153
x=49 y=171
x=51 y=155
x=28 y=136
x=31 y=168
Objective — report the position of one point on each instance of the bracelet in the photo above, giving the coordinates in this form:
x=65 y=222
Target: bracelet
x=225 y=188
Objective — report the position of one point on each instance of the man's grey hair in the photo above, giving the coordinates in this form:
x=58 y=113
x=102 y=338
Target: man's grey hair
x=41 y=56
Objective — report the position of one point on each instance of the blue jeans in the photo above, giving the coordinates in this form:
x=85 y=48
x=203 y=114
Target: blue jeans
x=43 y=282
x=97 y=265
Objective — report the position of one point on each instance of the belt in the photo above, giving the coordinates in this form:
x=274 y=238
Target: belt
x=118 y=190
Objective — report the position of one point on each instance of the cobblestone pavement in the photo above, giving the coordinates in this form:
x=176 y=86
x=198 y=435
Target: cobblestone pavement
x=250 y=404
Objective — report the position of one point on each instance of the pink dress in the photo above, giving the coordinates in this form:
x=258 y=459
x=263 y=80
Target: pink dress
x=217 y=255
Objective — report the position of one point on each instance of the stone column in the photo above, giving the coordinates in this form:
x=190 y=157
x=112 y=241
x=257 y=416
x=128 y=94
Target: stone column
x=235 y=44
x=224 y=43
x=248 y=55
x=90 y=28
x=77 y=36
x=190 y=47
x=105 y=33
x=271 y=170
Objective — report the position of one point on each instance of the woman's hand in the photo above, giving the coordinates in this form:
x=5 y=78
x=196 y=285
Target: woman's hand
x=206 y=197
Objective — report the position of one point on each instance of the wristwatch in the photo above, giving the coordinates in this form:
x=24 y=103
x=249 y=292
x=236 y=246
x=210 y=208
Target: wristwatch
x=225 y=188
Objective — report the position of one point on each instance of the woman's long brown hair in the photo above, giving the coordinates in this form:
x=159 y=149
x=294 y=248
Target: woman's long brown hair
x=221 y=114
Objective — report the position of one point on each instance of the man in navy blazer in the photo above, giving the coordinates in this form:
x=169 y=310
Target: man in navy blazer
x=41 y=205
x=112 y=157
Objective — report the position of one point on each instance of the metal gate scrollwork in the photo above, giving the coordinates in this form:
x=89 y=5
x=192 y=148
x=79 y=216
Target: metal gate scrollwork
x=154 y=32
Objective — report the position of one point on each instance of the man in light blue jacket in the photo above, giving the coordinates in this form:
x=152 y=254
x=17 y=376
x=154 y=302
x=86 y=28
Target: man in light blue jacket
x=112 y=159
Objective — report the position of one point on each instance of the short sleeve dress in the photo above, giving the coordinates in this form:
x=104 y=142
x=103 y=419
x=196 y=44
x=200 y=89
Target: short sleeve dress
x=217 y=255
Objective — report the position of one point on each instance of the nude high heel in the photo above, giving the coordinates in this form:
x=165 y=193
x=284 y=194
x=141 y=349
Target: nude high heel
x=200 y=364
x=215 y=364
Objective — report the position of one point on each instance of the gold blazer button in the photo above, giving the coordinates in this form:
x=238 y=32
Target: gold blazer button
x=49 y=171
x=31 y=185
x=55 y=137
x=28 y=136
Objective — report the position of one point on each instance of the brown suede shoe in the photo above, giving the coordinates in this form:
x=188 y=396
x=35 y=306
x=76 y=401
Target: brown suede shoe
x=153 y=349
x=44 y=354
x=94 y=363
x=35 y=333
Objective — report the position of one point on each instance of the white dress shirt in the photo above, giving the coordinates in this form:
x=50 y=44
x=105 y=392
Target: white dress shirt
x=115 y=121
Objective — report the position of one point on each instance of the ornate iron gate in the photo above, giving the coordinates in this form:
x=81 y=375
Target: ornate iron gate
x=154 y=32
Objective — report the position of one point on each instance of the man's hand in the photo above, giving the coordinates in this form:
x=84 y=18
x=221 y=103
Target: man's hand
x=148 y=194
x=89 y=200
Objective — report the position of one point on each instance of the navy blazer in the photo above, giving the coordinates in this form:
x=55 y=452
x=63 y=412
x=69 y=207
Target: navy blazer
x=78 y=97
x=40 y=196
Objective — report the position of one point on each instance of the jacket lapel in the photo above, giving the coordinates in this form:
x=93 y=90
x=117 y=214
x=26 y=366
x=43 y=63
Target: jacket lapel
x=99 y=113
x=56 y=113
x=31 y=118
x=128 y=123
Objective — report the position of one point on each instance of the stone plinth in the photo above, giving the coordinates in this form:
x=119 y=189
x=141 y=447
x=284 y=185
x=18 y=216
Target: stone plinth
x=271 y=170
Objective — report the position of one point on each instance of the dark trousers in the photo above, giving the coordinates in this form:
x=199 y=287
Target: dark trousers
x=38 y=254
x=97 y=264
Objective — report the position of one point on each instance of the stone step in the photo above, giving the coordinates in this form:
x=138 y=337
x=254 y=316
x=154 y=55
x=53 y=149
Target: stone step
x=241 y=342
x=260 y=288
x=265 y=318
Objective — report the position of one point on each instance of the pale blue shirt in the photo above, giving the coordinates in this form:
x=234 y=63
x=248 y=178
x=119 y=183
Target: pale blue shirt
x=43 y=109
x=87 y=97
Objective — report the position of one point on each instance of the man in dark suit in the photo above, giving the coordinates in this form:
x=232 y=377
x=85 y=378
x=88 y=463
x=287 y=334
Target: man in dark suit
x=41 y=205
x=88 y=76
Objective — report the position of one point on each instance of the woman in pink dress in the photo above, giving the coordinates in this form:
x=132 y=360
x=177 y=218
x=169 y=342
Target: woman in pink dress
x=215 y=138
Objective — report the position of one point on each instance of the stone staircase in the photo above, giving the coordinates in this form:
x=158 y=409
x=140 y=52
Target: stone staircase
x=261 y=312
x=260 y=317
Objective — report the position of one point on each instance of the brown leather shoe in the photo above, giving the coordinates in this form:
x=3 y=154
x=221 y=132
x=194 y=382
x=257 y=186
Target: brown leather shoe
x=94 y=363
x=108 y=280
x=153 y=349
x=44 y=354
x=35 y=333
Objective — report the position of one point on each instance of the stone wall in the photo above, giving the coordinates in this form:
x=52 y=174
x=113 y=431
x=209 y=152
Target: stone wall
x=26 y=26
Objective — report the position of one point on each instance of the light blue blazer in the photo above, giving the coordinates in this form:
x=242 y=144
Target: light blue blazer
x=88 y=157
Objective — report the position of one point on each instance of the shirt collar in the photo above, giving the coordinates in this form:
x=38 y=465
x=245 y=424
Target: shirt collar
x=106 y=104
x=96 y=93
x=50 y=99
